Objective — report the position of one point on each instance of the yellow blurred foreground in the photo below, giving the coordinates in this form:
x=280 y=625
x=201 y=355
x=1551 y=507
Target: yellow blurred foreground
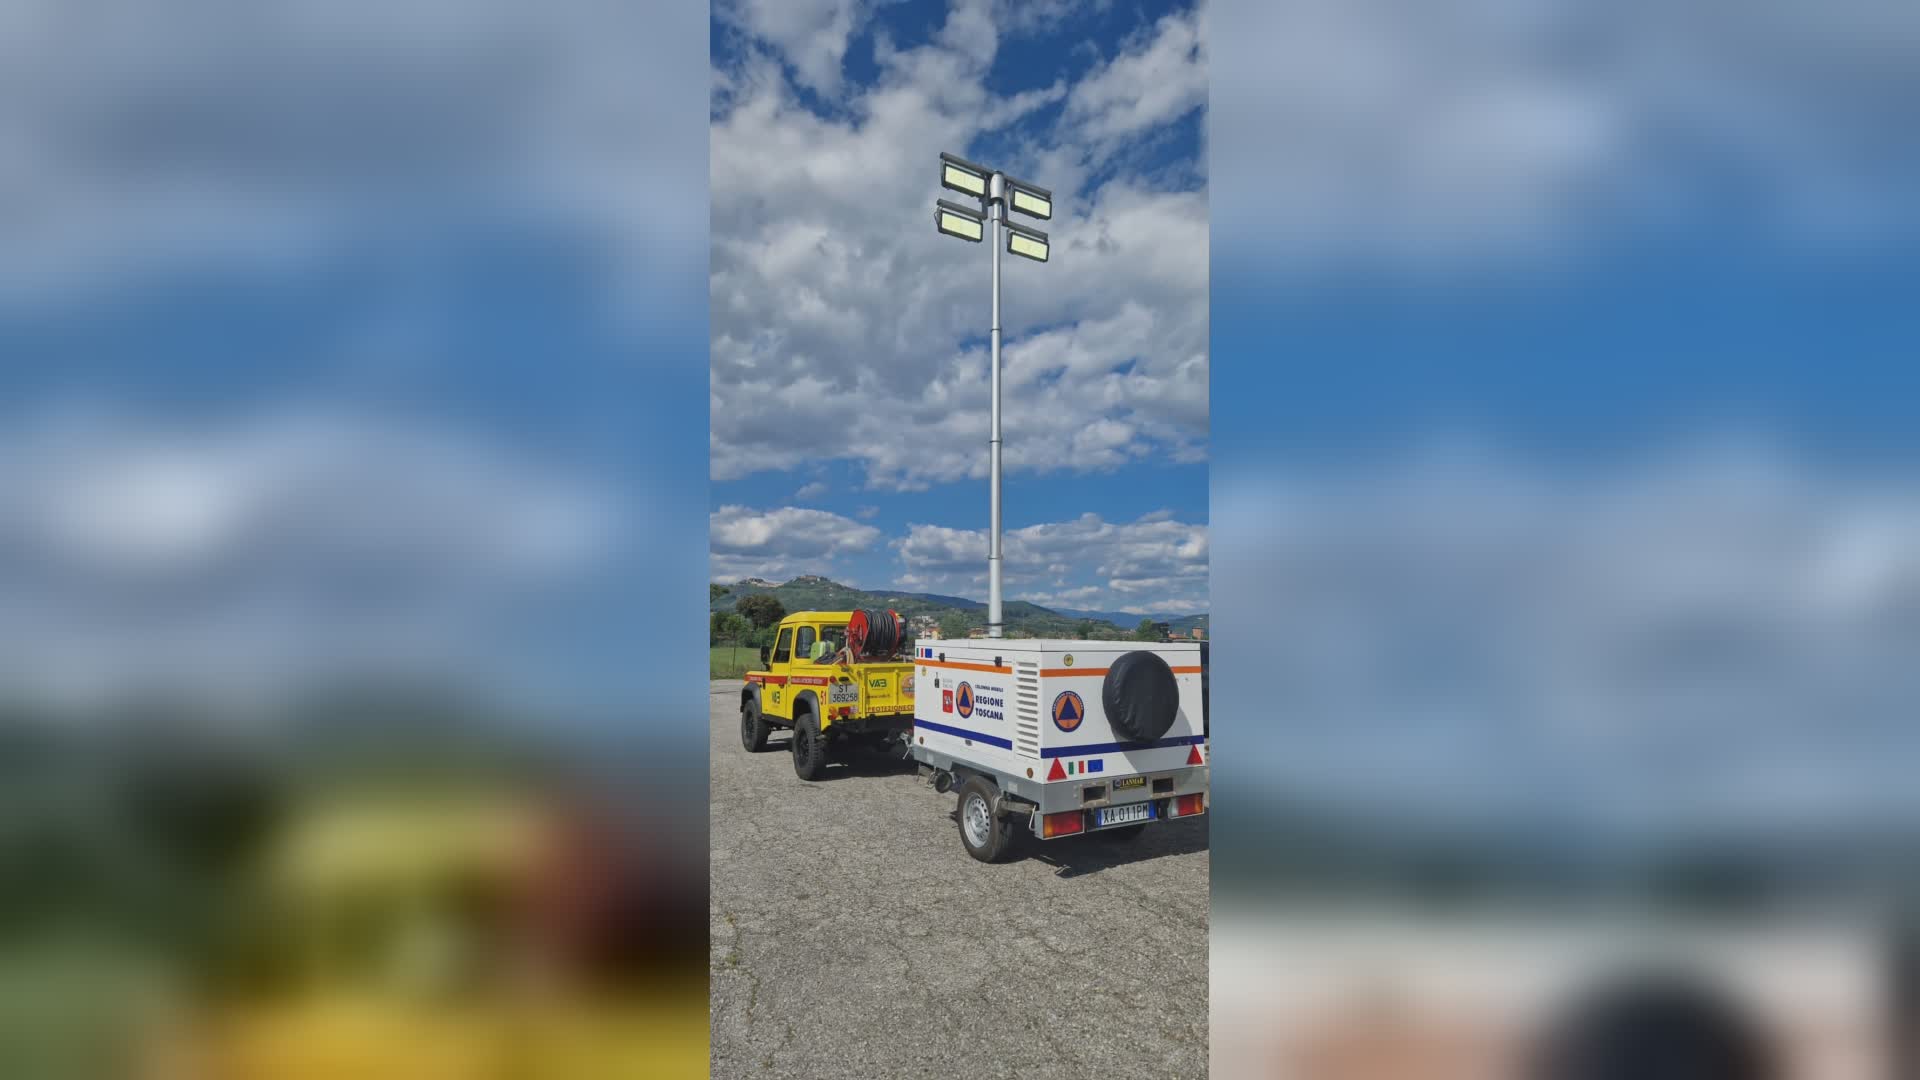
x=462 y=935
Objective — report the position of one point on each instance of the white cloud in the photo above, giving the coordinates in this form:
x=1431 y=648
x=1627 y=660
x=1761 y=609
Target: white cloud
x=1420 y=134
x=1159 y=79
x=1079 y=597
x=108 y=500
x=1155 y=563
x=811 y=490
x=282 y=547
x=1033 y=17
x=811 y=35
x=139 y=141
x=824 y=222
x=1674 y=646
x=779 y=543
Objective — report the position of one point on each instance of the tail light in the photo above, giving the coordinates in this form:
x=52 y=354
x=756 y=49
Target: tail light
x=1188 y=806
x=1061 y=824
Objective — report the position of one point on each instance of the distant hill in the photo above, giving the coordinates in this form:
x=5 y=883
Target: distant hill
x=1180 y=624
x=811 y=592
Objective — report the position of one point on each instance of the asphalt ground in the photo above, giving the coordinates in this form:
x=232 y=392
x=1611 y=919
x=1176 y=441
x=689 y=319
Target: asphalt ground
x=852 y=936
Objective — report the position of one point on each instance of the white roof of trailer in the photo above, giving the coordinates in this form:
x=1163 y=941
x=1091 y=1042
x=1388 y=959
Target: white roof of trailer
x=1050 y=644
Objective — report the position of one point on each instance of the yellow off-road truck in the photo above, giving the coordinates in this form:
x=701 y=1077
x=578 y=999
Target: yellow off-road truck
x=427 y=933
x=839 y=680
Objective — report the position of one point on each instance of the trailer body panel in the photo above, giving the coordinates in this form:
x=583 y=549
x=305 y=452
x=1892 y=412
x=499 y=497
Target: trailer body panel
x=1030 y=715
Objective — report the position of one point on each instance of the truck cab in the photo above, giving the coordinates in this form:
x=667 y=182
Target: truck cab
x=822 y=679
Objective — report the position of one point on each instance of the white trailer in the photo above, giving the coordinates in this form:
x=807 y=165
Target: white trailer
x=1060 y=737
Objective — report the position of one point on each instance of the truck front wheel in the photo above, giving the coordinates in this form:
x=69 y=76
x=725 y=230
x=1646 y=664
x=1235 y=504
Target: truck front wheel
x=986 y=837
x=809 y=748
x=753 y=727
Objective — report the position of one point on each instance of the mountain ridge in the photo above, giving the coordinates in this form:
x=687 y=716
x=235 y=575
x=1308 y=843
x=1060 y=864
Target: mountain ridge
x=813 y=592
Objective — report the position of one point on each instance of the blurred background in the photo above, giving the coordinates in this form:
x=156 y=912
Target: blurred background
x=1566 y=561
x=352 y=454
x=1566 y=539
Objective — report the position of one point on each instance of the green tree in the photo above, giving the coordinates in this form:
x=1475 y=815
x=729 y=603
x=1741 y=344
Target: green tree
x=954 y=624
x=1146 y=631
x=1083 y=630
x=764 y=609
x=719 y=626
x=729 y=628
x=715 y=592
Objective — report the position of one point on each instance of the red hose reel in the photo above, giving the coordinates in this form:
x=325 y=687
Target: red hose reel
x=876 y=635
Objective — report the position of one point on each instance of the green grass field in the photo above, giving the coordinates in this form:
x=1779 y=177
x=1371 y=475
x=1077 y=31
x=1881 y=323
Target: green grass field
x=724 y=665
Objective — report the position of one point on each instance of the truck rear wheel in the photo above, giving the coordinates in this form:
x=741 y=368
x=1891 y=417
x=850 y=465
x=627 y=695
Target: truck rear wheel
x=986 y=837
x=809 y=748
x=753 y=727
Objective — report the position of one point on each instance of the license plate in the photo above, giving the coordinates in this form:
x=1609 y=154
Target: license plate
x=1126 y=782
x=844 y=693
x=1122 y=815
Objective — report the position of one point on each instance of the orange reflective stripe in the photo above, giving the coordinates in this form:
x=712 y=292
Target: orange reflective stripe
x=1063 y=672
x=965 y=667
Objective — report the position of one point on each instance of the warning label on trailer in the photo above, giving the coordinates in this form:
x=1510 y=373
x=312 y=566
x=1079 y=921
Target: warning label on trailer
x=963 y=700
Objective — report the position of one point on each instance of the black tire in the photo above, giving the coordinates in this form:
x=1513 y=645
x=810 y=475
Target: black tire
x=990 y=840
x=753 y=727
x=1141 y=696
x=809 y=748
x=1657 y=1024
x=1121 y=832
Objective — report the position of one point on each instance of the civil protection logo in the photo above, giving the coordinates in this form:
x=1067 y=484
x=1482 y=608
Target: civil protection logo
x=1068 y=711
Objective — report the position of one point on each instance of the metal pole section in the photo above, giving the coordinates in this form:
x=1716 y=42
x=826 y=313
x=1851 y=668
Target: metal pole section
x=996 y=194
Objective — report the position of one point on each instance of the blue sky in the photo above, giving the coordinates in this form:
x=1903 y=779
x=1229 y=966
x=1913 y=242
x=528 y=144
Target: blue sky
x=849 y=345
x=1565 y=463
x=1562 y=413
x=349 y=339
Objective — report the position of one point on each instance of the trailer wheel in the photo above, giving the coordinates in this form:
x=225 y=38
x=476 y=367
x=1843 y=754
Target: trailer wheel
x=809 y=748
x=986 y=837
x=753 y=727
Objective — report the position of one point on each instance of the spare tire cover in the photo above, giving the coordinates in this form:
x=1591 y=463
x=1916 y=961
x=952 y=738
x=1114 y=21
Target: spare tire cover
x=1141 y=696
